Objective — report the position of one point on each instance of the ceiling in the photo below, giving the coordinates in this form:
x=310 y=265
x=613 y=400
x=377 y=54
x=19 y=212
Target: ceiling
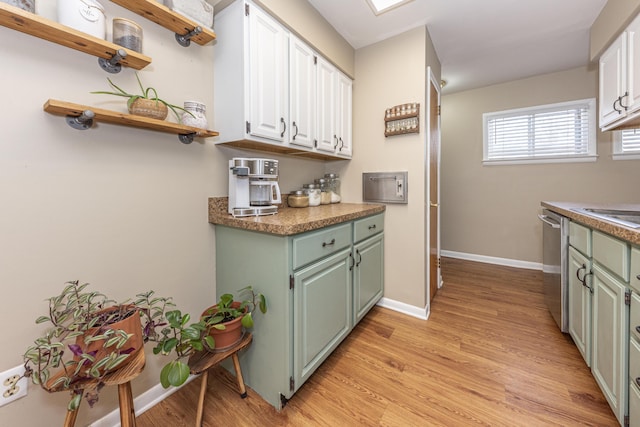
x=479 y=42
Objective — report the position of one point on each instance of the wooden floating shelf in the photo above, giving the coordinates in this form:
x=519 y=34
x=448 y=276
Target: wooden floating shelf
x=29 y=23
x=63 y=108
x=162 y=15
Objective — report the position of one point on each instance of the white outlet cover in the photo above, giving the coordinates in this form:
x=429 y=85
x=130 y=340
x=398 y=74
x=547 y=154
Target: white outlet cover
x=12 y=389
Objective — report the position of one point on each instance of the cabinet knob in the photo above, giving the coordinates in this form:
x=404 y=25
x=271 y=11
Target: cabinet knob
x=638 y=329
x=638 y=381
x=372 y=227
x=638 y=277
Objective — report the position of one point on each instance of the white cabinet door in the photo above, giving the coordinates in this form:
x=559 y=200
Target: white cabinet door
x=302 y=87
x=343 y=114
x=327 y=138
x=610 y=339
x=580 y=302
x=632 y=100
x=612 y=81
x=268 y=77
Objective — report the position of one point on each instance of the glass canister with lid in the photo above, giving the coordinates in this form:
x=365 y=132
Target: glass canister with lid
x=313 y=191
x=298 y=199
x=333 y=182
x=325 y=191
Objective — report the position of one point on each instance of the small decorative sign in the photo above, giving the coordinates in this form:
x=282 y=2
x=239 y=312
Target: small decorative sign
x=402 y=119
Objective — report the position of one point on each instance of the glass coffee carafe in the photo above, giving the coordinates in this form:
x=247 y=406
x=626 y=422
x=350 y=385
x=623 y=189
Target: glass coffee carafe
x=264 y=193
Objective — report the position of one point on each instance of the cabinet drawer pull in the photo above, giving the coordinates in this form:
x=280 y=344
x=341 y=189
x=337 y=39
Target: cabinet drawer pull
x=284 y=127
x=331 y=243
x=353 y=261
x=638 y=381
x=372 y=227
x=638 y=277
x=584 y=267
x=359 y=258
x=638 y=329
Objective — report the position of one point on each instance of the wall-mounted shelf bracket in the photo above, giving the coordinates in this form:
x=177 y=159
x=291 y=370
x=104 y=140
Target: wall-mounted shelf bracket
x=186 y=138
x=82 y=122
x=185 y=40
x=113 y=65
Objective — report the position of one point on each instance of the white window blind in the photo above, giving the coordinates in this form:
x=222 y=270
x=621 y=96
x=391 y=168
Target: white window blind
x=626 y=144
x=547 y=133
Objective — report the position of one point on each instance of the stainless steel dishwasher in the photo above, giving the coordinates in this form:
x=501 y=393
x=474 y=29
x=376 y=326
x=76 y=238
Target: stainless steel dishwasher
x=555 y=243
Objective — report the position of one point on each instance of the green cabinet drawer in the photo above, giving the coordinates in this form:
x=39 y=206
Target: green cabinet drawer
x=612 y=254
x=367 y=227
x=309 y=247
x=580 y=238
x=634 y=280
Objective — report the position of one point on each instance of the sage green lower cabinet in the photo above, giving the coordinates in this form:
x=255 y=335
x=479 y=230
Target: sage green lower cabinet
x=308 y=280
x=580 y=296
x=322 y=312
x=610 y=339
x=368 y=275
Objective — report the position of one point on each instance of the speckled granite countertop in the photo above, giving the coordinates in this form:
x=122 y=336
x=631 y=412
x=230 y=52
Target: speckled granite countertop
x=289 y=221
x=625 y=233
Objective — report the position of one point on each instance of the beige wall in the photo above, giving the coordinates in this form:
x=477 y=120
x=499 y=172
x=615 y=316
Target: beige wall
x=389 y=73
x=124 y=209
x=491 y=210
x=613 y=18
x=304 y=20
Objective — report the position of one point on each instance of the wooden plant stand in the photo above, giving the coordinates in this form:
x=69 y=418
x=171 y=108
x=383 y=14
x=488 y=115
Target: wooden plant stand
x=202 y=361
x=122 y=378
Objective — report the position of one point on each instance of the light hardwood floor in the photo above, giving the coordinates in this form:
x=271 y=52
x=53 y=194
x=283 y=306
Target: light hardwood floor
x=489 y=355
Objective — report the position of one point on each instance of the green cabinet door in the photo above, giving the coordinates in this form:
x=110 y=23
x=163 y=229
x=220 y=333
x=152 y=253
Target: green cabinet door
x=610 y=339
x=368 y=275
x=580 y=302
x=322 y=312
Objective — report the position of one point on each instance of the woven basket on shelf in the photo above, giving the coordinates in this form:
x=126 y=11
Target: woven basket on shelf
x=149 y=108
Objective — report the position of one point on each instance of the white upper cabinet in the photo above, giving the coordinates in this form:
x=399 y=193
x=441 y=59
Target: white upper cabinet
x=302 y=100
x=334 y=110
x=619 y=80
x=273 y=93
x=268 y=88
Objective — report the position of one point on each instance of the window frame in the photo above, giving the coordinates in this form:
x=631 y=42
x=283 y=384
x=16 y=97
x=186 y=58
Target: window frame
x=590 y=156
x=617 y=148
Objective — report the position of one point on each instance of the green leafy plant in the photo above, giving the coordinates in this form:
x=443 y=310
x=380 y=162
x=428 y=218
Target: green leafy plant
x=146 y=93
x=63 y=357
x=185 y=340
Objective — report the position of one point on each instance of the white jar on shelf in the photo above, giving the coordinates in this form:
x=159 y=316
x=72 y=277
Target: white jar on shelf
x=197 y=118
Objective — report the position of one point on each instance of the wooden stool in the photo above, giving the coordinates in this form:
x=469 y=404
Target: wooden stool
x=202 y=361
x=122 y=378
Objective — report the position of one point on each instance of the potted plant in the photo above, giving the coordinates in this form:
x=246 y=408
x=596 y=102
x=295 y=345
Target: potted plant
x=90 y=336
x=147 y=103
x=226 y=316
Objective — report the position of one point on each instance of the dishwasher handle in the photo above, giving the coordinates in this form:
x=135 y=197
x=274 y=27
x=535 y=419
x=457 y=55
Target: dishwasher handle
x=547 y=220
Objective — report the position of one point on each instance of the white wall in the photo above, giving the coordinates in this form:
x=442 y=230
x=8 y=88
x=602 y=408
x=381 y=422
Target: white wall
x=124 y=209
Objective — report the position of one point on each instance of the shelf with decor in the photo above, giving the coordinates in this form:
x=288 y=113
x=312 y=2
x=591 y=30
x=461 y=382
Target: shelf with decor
x=402 y=119
x=185 y=28
x=82 y=117
x=109 y=54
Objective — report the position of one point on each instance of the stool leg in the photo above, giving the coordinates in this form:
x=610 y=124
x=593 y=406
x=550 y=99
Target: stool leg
x=203 y=390
x=70 y=418
x=127 y=412
x=236 y=366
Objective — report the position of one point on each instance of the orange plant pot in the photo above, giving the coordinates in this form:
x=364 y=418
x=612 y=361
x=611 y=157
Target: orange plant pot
x=230 y=335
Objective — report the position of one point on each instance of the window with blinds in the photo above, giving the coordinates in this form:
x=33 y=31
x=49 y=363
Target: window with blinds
x=626 y=144
x=563 y=132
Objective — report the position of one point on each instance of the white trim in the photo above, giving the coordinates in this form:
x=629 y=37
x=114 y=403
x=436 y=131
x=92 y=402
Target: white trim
x=141 y=404
x=630 y=156
x=493 y=260
x=401 y=307
x=571 y=159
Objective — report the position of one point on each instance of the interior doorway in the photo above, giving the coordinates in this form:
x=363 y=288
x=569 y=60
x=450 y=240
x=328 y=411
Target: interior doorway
x=433 y=143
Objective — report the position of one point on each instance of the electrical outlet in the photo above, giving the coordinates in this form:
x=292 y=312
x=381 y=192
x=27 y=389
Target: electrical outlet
x=12 y=385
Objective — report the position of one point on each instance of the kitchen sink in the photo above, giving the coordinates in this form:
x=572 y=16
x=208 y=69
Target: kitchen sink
x=623 y=217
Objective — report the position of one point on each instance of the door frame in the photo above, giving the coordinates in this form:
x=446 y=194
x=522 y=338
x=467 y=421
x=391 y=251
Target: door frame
x=431 y=81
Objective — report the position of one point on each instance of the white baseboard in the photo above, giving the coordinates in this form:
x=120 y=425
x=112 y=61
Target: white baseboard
x=493 y=260
x=142 y=403
x=411 y=310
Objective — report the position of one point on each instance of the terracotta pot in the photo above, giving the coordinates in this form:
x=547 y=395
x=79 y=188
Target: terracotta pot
x=149 y=108
x=131 y=325
x=232 y=333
